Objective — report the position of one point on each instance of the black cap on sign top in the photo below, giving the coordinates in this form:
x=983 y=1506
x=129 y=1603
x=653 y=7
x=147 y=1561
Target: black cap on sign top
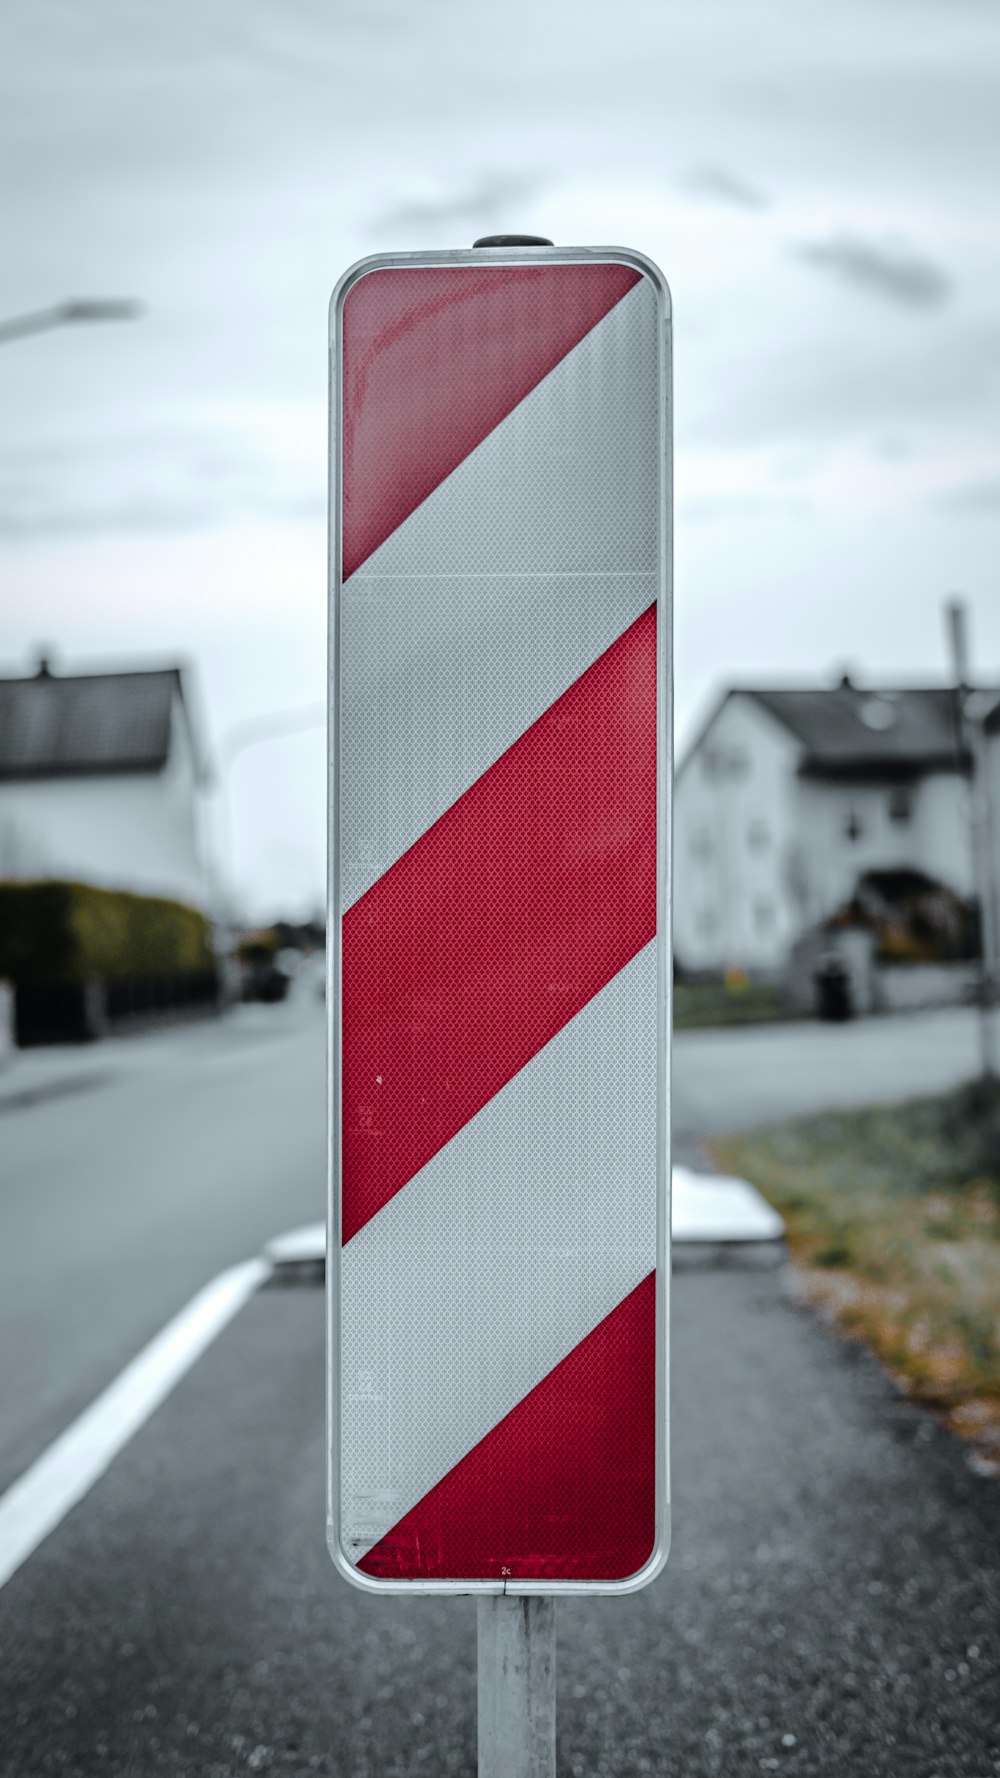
x=512 y=241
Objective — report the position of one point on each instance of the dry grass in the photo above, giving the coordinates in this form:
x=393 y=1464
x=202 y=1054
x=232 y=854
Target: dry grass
x=893 y=1218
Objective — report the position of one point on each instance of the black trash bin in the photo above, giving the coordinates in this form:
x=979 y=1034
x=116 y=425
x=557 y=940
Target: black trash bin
x=833 y=991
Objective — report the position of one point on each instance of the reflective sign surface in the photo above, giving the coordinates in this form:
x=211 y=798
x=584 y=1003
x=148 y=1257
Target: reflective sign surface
x=499 y=932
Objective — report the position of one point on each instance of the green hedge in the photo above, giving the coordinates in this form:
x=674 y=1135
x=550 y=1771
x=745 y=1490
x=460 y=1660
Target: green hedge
x=258 y=947
x=54 y=934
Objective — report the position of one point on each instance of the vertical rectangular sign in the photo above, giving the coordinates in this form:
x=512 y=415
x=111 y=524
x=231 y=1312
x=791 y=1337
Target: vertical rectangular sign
x=499 y=921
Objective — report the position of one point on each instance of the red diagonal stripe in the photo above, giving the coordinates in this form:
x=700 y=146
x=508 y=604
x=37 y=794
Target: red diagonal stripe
x=528 y=895
x=564 y=1487
x=434 y=358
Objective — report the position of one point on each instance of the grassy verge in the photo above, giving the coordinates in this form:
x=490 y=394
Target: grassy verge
x=699 y=1005
x=893 y=1217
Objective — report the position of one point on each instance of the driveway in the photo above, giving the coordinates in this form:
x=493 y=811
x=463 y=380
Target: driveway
x=731 y=1078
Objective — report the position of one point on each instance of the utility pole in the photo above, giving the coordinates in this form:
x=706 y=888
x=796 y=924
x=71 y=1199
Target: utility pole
x=975 y=764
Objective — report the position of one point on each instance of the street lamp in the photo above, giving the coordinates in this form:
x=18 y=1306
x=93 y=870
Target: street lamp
x=271 y=727
x=78 y=311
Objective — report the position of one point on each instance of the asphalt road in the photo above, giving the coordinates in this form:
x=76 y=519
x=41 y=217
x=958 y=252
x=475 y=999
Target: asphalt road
x=729 y=1079
x=832 y=1602
x=831 y=1605
x=132 y=1171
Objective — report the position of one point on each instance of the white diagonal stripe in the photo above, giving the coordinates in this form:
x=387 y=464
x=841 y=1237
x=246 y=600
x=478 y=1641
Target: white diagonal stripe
x=523 y=566
x=40 y=1499
x=499 y=1256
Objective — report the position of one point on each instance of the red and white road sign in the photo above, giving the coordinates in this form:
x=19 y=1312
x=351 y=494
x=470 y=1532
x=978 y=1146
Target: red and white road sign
x=500 y=567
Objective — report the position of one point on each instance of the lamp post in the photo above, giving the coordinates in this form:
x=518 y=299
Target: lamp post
x=271 y=727
x=76 y=312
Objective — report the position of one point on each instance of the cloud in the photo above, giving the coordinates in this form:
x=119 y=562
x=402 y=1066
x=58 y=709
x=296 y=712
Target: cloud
x=153 y=513
x=54 y=521
x=481 y=203
x=718 y=182
x=164 y=479
x=982 y=495
x=900 y=276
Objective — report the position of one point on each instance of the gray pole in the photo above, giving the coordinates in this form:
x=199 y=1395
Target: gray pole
x=980 y=824
x=988 y=844
x=272 y=727
x=517 y=1686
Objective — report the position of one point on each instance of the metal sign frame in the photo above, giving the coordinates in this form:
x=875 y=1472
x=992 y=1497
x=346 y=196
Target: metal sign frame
x=505 y=257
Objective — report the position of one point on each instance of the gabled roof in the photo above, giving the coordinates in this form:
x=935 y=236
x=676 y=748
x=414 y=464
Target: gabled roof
x=864 y=729
x=847 y=726
x=991 y=721
x=55 y=725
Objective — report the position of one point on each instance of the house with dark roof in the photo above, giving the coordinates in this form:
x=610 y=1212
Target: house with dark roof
x=101 y=780
x=788 y=796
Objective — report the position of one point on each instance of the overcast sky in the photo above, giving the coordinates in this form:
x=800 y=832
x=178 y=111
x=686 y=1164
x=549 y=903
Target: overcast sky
x=819 y=184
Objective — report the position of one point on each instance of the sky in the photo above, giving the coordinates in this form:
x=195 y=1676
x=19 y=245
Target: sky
x=818 y=184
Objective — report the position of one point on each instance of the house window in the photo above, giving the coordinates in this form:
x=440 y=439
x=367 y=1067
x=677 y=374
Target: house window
x=853 y=828
x=722 y=762
x=758 y=835
x=900 y=804
x=706 y=922
x=701 y=843
x=763 y=917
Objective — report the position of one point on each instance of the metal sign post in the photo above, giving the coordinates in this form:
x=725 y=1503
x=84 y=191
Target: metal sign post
x=517 y=1688
x=499 y=942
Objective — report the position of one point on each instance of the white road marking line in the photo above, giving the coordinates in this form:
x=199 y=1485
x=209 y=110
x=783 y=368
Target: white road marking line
x=40 y=1499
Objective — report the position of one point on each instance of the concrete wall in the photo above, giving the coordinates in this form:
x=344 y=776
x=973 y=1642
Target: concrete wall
x=872 y=986
x=900 y=987
x=135 y=830
x=846 y=955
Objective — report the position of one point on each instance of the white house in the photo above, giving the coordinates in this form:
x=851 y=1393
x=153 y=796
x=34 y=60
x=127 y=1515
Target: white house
x=101 y=781
x=787 y=797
